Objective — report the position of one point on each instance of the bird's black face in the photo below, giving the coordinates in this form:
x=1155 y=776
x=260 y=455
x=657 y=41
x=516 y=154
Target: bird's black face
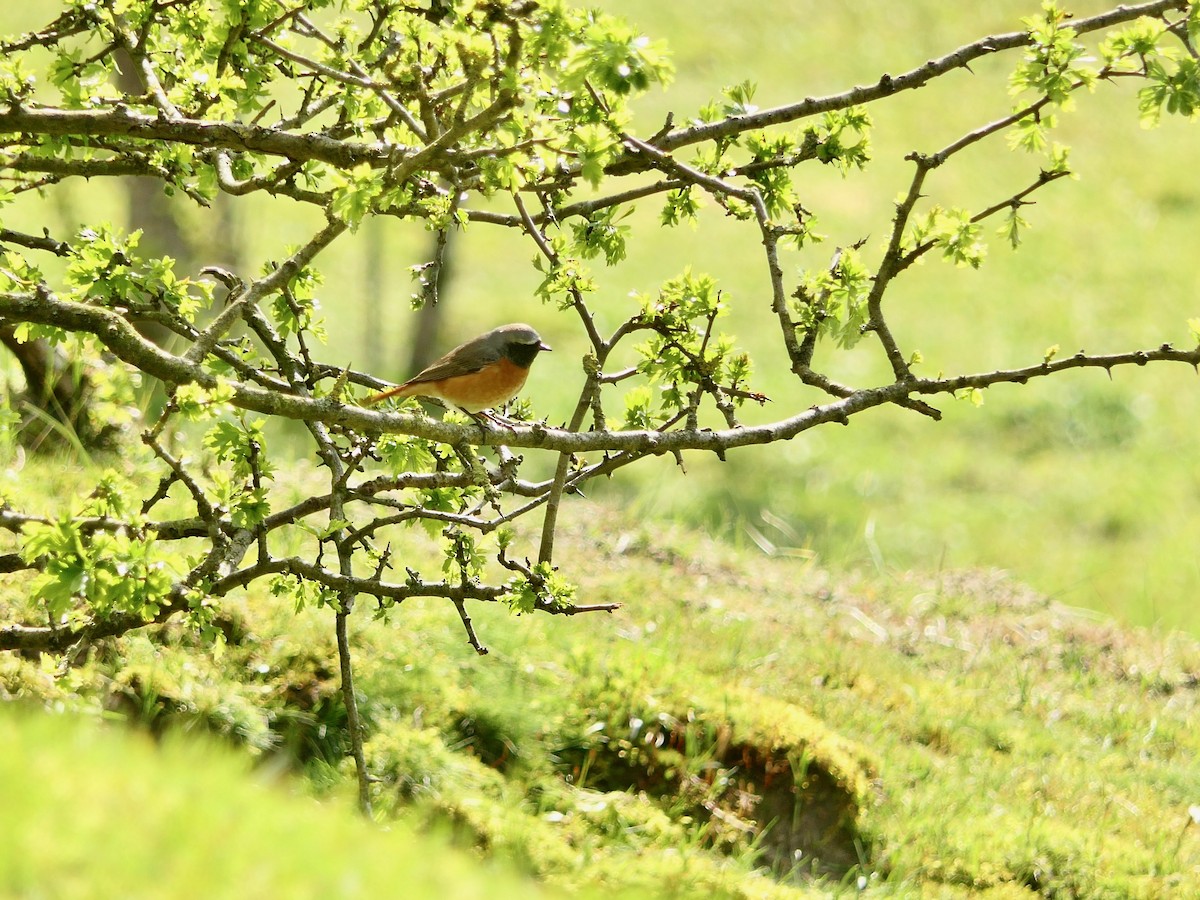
x=524 y=354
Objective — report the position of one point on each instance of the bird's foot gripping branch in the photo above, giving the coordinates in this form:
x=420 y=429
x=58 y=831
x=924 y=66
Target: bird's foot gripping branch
x=465 y=115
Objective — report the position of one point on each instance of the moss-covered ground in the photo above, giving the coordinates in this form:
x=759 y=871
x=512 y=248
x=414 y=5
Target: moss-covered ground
x=745 y=725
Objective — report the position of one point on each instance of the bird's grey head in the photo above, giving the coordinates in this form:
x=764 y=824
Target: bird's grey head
x=521 y=343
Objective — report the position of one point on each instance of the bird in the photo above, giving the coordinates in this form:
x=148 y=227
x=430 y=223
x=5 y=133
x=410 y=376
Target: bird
x=483 y=373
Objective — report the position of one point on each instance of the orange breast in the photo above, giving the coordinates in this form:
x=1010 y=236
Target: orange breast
x=492 y=386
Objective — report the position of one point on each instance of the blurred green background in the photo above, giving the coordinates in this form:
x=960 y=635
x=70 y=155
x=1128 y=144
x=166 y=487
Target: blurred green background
x=1084 y=487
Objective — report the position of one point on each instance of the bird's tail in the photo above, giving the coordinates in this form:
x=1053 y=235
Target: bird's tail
x=400 y=390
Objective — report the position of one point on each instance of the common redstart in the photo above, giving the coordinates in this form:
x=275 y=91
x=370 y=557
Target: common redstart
x=481 y=374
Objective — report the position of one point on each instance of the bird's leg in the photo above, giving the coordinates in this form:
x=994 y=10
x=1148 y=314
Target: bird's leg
x=495 y=420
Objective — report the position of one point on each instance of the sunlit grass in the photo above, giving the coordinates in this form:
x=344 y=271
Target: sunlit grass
x=100 y=812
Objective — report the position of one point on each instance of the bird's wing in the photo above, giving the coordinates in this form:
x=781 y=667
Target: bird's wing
x=462 y=360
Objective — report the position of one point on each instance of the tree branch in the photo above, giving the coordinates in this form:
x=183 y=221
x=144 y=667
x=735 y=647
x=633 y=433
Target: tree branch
x=889 y=84
x=125 y=122
x=120 y=337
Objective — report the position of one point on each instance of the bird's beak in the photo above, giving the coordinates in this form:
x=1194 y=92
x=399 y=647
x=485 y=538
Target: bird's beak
x=542 y=345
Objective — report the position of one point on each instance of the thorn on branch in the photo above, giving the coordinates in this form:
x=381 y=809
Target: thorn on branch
x=164 y=485
x=514 y=565
x=385 y=562
x=58 y=248
x=662 y=132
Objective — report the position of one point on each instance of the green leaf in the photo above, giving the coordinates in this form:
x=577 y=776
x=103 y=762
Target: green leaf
x=563 y=277
x=1014 y=222
x=1132 y=44
x=612 y=57
x=953 y=231
x=354 y=193
x=595 y=147
x=251 y=508
x=843 y=138
x=973 y=394
x=680 y=205
x=406 y=454
x=602 y=233
x=834 y=301
x=244 y=444
x=1053 y=64
x=637 y=409
x=545 y=585
x=463 y=557
x=1194 y=328
x=1029 y=133
x=196 y=403
x=739 y=97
